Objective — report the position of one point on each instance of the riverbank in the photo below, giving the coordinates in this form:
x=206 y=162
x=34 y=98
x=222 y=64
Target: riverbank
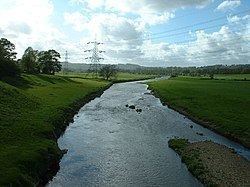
x=220 y=105
x=213 y=164
x=34 y=111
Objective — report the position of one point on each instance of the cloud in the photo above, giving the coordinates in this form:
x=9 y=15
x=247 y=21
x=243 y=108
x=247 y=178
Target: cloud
x=151 y=12
x=237 y=19
x=152 y=5
x=222 y=47
x=19 y=28
x=122 y=36
x=154 y=19
x=27 y=23
x=124 y=42
x=229 y=4
x=76 y=19
x=123 y=27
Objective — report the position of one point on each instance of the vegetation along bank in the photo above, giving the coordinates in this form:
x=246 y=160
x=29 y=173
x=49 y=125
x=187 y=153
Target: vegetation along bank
x=221 y=105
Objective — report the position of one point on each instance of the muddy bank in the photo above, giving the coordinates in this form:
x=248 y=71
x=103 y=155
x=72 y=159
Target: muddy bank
x=64 y=119
x=213 y=164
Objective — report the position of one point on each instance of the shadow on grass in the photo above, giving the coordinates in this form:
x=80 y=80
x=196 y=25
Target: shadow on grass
x=18 y=82
x=53 y=79
x=28 y=80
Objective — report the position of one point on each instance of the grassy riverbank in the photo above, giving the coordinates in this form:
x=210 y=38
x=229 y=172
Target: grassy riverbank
x=34 y=110
x=213 y=164
x=222 y=105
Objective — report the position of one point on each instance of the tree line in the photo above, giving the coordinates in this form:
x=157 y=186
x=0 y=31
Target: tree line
x=194 y=71
x=32 y=61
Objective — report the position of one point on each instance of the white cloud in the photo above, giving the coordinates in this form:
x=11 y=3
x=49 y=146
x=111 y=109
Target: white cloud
x=152 y=6
x=228 y=4
x=125 y=43
x=150 y=12
x=27 y=23
x=222 y=47
x=76 y=19
x=237 y=19
x=154 y=19
x=122 y=26
x=122 y=36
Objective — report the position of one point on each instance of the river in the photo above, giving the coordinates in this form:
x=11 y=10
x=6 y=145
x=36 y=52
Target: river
x=110 y=144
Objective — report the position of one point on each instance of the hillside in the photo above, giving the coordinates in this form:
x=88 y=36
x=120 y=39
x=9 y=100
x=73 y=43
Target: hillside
x=34 y=111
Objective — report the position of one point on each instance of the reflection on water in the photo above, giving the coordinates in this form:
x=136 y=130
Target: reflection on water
x=110 y=144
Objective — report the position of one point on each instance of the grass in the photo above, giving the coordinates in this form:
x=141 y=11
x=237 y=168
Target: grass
x=133 y=76
x=33 y=111
x=121 y=77
x=232 y=76
x=190 y=158
x=221 y=105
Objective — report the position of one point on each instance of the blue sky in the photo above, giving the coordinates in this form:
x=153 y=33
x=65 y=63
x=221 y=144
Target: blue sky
x=193 y=32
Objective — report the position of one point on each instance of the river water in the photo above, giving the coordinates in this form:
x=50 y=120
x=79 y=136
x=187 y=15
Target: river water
x=110 y=144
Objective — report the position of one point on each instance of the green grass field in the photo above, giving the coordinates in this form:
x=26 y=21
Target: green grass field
x=32 y=110
x=120 y=76
x=224 y=104
x=133 y=76
x=232 y=76
x=236 y=77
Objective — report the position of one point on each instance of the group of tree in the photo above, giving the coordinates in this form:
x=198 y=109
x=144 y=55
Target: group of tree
x=32 y=61
x=46 y=62
x=8 y=65
x=108 y=71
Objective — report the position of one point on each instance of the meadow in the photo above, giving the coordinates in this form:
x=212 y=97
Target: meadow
x=34 y=110
x=121 y=76
x=232 y=76
x=221 y=105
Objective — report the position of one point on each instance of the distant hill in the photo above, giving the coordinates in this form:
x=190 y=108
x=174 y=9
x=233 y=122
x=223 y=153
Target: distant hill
x=81 y=67
x=204 y=70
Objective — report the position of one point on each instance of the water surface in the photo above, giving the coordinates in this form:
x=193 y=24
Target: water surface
x=111 y=145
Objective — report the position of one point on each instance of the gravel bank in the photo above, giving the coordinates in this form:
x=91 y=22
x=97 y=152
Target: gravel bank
x=213 y=164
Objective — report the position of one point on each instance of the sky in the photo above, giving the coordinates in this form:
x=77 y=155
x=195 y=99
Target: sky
x=146 y=32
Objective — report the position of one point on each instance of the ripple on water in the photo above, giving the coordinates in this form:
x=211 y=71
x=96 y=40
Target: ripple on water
x=111 y=145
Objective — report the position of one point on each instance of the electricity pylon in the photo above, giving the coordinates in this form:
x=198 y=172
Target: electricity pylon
x=95 y=59
x=66 y=63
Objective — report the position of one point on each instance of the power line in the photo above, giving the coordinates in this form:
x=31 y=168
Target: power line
x=188 y=26
x=186 y=32
x=188 y=42
x=199 y=23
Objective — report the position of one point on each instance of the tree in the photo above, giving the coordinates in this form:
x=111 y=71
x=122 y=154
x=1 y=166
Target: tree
x=108 y=71
x=8 y=66
x=29 y=61
x=49 y=62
